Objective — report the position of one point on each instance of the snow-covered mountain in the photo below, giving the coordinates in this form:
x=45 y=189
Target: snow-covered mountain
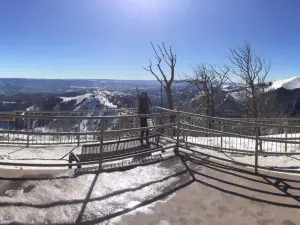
x=97 y=100
x=289 y=84
x=93 y=103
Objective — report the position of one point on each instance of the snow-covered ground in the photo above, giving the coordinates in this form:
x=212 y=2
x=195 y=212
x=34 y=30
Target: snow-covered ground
x=90 y=197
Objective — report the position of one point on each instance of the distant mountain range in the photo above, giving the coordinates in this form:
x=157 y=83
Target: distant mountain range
x=56 y=94
x=14 y=85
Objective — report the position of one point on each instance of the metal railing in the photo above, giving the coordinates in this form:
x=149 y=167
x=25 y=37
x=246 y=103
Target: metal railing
x=69 y=129
x=242 y=141
x=250 y=138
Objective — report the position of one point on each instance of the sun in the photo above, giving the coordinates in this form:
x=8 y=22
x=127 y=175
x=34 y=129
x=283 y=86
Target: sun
x=144 y=6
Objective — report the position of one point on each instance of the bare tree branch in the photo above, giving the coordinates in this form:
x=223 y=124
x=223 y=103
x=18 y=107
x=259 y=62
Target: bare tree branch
x=253 y=71
x=208 y=79
x=170 y=60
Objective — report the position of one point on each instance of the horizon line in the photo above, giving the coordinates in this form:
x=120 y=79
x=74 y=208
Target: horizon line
x=27 y=78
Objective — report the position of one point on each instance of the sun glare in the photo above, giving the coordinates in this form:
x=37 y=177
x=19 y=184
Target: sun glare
x=144 y=6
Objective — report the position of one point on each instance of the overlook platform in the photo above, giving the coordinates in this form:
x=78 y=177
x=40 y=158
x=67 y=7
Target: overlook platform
x=204 y=171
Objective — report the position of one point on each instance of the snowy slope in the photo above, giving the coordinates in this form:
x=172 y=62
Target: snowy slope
x=91 y=99
x=290 y=84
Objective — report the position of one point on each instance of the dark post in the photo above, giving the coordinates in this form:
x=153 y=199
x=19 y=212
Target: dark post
x=78 y=131
x=101 y=142
x=28 y=129
x=178 y=132
x=256 y=149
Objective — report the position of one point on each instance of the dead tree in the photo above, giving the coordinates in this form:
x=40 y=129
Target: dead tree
x=253 y=71
x=208 y=80
x=169 y=58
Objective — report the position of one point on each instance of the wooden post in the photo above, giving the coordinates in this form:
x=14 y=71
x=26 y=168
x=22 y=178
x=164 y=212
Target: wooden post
x=28 y=129
x=256 y=149
x=101 y=142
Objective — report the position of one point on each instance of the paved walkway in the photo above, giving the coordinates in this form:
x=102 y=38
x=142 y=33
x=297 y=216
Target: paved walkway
x=223 y=196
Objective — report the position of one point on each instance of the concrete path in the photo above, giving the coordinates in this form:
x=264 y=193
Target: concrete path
x=223 y=196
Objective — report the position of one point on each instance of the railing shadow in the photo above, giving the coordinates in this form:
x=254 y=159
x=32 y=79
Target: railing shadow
x=183 y=181
x=259 y=187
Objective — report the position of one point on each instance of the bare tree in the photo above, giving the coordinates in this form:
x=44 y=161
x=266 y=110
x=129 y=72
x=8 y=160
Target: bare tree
x=253 y=71
x=169 y=58
x=209 y=81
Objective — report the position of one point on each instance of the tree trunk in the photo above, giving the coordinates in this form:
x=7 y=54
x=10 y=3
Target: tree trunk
x=170 y=98
x=171 y=106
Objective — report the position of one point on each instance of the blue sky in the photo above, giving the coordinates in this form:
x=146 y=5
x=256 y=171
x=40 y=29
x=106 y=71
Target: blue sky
x=111 y=38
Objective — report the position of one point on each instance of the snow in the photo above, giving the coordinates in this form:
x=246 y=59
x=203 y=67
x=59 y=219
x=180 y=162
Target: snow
x=238 y=95
x=90 y=102
x=31 y=108
x=8 y=102
x=89 y=98
x=89 y=196
x=290 y=84
x=78 y=99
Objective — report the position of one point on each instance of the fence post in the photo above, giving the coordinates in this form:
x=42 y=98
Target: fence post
x=28 y=129
x=178 y=132
x=78 y=130
x=101 y=142
x=260 y=142
x=221 y=141
x=285 y=142
x=256 y=148
x=222 y=129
